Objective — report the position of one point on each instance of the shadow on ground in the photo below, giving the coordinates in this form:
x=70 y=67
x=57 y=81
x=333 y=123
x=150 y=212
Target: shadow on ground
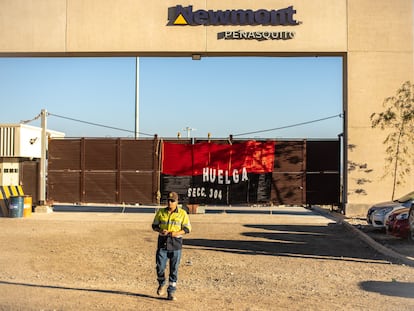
x=332 y=242
x=393 y=288
x=104 y=291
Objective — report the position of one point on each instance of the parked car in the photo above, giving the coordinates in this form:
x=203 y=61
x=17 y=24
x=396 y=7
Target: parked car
x=376 y=214
x=396 y=223
x=391 y=217
x=411 y=222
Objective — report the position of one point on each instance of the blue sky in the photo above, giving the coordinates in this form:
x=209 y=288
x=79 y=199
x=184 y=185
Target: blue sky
x=221 y=96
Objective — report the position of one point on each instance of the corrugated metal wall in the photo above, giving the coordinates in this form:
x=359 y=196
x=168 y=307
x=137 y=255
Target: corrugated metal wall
x=128 y=170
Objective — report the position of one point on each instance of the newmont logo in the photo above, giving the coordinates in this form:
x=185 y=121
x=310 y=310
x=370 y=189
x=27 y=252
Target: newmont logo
x=184 y=16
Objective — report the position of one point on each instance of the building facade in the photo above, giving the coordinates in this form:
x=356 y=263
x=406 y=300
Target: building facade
x=374 y=39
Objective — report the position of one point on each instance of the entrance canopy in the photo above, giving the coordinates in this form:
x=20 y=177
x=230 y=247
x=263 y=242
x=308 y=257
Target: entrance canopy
x=79 y=27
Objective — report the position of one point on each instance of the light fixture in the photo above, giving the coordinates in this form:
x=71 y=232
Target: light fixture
x=196 y=57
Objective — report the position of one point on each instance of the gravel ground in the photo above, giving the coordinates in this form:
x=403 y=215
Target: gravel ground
x=294 y=259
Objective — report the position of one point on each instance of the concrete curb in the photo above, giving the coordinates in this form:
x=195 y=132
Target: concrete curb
x=409 y=261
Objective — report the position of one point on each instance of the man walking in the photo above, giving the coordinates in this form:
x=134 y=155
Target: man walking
x=171 y=223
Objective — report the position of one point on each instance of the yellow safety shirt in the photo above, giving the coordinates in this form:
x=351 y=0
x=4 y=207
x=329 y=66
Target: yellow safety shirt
x=172 y=222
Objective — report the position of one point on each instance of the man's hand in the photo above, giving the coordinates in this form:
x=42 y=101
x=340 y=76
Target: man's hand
x=164 y=232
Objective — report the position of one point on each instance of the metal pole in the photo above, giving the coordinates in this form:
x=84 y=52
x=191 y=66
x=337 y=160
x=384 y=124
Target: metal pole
x=136 y=97
x=188 y=129
x=345 y=134
x=42 y=194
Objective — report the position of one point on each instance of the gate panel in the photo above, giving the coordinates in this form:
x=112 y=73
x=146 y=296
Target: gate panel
x=287 y=188
x=64 y=170
x=136 y=187
x=137 y=155
x=64 y=154
x=323 y=188
x=100 y=154
x=100 y=187
x=323 y=174
x=322 y=156
x=64 y=186
x=29 y=171
x=288 y=177
x=139 y=177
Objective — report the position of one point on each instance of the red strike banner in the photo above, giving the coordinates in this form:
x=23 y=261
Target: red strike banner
x=190 y=160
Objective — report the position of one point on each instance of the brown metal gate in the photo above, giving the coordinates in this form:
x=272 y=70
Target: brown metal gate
x=103 y=171
x=118 y=171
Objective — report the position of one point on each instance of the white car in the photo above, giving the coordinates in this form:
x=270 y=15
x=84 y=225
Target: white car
x=379 y=217
x=377 y=213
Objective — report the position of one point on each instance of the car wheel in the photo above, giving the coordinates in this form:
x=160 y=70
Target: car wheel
x=411 y=223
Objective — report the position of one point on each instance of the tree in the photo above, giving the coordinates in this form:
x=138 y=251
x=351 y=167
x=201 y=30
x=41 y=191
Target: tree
x=398 y=118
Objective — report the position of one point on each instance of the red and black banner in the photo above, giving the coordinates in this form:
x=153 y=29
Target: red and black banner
x=212 y=173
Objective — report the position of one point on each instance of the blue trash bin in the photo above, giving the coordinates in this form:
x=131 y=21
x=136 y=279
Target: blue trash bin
x=16 y=206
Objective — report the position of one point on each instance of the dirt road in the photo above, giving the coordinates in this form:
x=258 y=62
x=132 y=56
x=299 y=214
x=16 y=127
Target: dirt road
x=290 y=260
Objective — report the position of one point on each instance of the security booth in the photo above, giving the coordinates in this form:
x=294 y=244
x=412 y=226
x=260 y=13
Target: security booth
x=20 y=153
